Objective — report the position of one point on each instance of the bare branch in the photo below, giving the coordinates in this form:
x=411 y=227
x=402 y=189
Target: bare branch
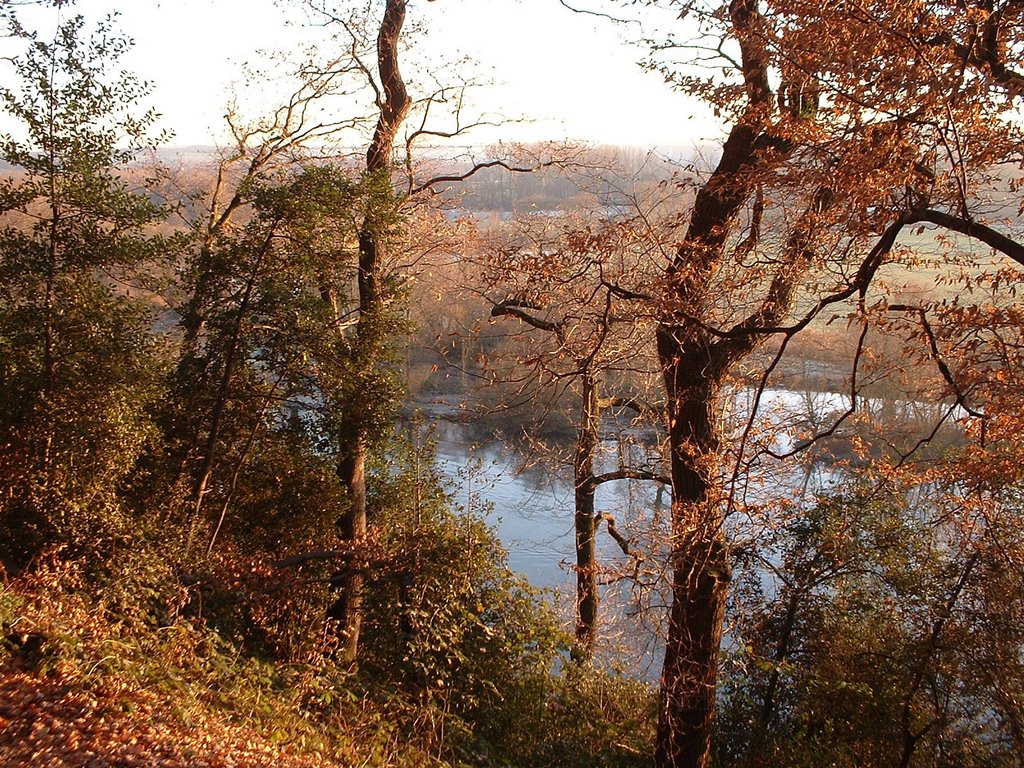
x=779 y=300
x=599 y=14
x=613 y=531
x=631 y=474
x=478 y=167
x=515 y=308
x=933 y=347
x=635 y=404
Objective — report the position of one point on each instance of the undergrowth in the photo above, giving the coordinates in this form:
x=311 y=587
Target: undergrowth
x=59 y=627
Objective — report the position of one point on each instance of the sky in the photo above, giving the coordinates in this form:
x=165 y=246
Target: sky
x=573 y=75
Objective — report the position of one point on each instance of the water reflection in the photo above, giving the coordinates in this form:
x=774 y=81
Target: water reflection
x=530 y=503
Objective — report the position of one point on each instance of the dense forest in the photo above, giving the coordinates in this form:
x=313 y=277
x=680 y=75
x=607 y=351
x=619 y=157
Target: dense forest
x=224 y=537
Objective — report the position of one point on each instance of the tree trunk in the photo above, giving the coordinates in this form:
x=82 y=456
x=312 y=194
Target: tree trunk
x=587 y=595
x=347 y=610
x=394 y=104
x=700 y=575
x=700 y=564
x=694 y=365
x=202 y=485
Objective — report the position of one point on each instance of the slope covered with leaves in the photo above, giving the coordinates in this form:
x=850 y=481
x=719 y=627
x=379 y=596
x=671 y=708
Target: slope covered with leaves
x=80 y=685
x=45 y=720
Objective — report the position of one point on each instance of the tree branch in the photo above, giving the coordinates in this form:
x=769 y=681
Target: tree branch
x=477 y=168
x=514 y=308
x=933 y=347
x=630 y=474
x=778 y=302
x=635 y=404
x=613 y=531
x=1000 y=242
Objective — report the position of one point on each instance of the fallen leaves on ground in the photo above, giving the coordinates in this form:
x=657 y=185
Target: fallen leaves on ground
x=47 y=721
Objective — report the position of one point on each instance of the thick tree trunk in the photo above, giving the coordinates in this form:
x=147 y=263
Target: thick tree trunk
x=700 y=562
x=694 y=365
x=587 y=594
x=688 y=685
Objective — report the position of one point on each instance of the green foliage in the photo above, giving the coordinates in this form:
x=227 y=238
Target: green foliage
x=472 y=653
x=286 y=501
x=446 y=621
x=873 y=644
x=280 y=373
x=593 y=718
x=349 y=369
x=493 y=698
x=153 y=506
x=78 y=367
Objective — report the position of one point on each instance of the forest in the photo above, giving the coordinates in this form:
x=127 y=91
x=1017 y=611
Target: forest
x=226 y=538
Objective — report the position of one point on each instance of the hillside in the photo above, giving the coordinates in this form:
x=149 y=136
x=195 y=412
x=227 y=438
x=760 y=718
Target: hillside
x=54 y=721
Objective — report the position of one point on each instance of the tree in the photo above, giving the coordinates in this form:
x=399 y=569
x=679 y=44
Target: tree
x=861 y=152
x=869 y=635
x=369 y=338
x=294 y=290
x=847 y=125
x=227 y=253
x=397 y=189
x=344 y=382
x=79 y=367
x=572 y=288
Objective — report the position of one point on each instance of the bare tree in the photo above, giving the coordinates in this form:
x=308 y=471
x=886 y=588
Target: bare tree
x=574 y=286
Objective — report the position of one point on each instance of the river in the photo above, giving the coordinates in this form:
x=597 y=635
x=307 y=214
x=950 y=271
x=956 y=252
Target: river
x=529 y=500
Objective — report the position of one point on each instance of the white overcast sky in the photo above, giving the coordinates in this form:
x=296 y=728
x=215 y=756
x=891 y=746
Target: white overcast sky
x=572 y=74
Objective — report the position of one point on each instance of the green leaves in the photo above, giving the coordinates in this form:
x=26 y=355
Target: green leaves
x=872 y=634
x=77 y=110
x=79 y=366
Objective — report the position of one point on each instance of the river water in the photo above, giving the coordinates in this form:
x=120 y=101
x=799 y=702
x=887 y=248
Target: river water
x=528 y=499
